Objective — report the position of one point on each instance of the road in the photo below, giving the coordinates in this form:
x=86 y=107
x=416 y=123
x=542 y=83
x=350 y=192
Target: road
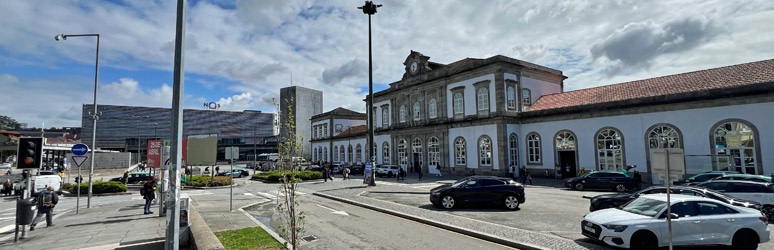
x=336 y=225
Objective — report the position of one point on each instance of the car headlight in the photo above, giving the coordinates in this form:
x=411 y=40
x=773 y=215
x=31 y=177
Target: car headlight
x=616 y=228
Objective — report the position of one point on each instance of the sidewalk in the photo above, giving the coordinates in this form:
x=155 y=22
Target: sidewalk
x=114 y=226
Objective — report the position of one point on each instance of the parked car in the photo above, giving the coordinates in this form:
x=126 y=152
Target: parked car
x=243 y=172
x=386 y=170
x=616 y=181
x=745 y=177
x=356 y=169
x=479 y=189
x=696 y=221
x=616 y=200
x=314 y=168
x=699 y=178
x=6 y=165
x=748 y=190
x=40 y=183
x=336 y=168
x=234 y=174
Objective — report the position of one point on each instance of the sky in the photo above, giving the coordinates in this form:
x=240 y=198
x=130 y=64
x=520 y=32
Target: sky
x=239 y=53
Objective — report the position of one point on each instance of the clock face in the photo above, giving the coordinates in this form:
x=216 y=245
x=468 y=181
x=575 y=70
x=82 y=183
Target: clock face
x=414 y=67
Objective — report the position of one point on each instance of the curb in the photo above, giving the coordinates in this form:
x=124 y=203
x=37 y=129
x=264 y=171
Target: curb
x=394 y=192
x=263 y=226
x=218 y=187
x=202 y=237
x=468 y=232
x=68 y=194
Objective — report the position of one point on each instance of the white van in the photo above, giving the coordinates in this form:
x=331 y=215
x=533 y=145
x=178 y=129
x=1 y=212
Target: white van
x=39 y=183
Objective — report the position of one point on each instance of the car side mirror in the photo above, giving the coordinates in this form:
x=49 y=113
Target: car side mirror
x=673 y=216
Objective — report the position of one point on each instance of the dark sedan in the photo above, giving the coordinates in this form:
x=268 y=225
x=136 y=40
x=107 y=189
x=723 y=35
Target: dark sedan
x=699 y=178
x=615 y=200
x=616 y=181
x=479 y=189
x=356 y=169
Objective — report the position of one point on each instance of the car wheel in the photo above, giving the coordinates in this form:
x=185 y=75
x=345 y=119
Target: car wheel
x=768 y=210
x=511 y=202
x=643 y=241
x=579 y=186
x=620 y=188
x=745 y=239
x=448 y=202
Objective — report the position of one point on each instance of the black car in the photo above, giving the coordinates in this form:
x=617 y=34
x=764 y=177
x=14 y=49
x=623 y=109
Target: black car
x=615 y=200
x=357 y=169
x=617 y=181
x=479 y=189
x=699 y=178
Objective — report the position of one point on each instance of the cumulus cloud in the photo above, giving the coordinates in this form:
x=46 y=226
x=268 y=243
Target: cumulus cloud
x=637 y=44
x=238 y=102
x=350 y=69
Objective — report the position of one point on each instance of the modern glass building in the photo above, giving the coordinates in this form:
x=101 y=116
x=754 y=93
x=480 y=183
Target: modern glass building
x=128 y=128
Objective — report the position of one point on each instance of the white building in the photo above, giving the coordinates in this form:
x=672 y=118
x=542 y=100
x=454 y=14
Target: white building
x=487 y=115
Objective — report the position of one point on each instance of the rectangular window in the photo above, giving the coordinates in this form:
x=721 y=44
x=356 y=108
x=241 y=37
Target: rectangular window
x=385 y=117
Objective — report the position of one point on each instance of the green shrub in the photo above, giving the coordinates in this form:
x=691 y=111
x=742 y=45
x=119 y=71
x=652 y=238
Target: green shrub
x=204 y=181
x=276 y=175
x=98 y=187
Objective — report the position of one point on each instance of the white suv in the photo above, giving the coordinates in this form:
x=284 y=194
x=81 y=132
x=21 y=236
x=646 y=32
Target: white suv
x=386 y=170
x=747 y=190
x=642 y=224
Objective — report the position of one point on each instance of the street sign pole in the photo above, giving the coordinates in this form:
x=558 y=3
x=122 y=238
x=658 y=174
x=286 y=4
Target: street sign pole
x=79 y=152
x=669 y=201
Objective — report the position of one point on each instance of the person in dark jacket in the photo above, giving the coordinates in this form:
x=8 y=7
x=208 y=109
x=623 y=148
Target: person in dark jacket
x=523 y=174
x=637 y=179
x=46 y=202
x=325 y=174
x=149 y=193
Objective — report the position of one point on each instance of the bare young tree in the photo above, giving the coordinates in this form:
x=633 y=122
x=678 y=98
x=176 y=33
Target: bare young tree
x=291 y=149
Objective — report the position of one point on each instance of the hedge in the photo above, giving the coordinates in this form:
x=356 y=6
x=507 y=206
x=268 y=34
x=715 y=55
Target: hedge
x=204 y=181
x=276 y=175
x=97 y=187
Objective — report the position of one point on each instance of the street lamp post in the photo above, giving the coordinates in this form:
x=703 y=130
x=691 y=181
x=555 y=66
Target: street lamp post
x=139 y=143
x=94 y=115
x=369 y=9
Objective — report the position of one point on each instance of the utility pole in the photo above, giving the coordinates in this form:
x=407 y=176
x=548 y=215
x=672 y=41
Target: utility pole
x=173 y=213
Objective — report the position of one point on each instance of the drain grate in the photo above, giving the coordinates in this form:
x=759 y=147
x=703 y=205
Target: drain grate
x=310 y=238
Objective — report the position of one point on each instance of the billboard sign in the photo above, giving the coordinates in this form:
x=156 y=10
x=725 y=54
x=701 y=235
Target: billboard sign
x=154 y=153
x=203 y=148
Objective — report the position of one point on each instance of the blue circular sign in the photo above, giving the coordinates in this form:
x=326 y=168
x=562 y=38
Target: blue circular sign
x=80 y=149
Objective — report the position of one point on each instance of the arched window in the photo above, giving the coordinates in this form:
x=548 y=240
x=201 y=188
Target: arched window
x=358 y=153
x=533 y=148
x=385 y=152
x=314 y=154
x=343 y=158
x=565 y=140
x=736 y=140
x=416 y=111
x=336 y=153
x=484 y=151
x=416 y=150
x=320 y=154
x=433 y=152
x=385 y=117
x=432 y=109
x=511 y=97
x=403 y=113
x=459 y=151
x=610 y=151
x=402 y=158
x=349 y=153
x=325 y=154
x=483 y=98
x=513 y=147
x=663 y=136
x=459 y=107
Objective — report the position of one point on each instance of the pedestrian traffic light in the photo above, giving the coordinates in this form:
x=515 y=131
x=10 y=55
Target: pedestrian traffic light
x=30 y=153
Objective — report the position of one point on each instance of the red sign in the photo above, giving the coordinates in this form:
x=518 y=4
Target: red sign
x=154 y=153
x=185 y=152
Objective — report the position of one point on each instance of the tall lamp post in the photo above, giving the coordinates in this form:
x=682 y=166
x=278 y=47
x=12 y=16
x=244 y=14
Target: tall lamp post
x=139 y=143
x=94 y=115
x=369 y=9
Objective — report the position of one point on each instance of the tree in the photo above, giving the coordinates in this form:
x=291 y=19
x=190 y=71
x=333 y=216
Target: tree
x=290 y=150
x=7 y=122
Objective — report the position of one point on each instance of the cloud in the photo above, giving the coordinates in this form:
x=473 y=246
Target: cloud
x=637 y=44
x=239 y=102
x=350 y=69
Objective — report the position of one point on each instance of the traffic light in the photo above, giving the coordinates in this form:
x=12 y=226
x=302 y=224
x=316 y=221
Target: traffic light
x=30 y=153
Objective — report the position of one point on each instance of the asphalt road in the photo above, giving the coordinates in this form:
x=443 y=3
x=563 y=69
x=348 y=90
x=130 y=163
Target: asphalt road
x=336 y=225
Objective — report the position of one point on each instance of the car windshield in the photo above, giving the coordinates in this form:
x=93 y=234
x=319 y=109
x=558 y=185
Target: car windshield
x=644 y=206
x=460 y=182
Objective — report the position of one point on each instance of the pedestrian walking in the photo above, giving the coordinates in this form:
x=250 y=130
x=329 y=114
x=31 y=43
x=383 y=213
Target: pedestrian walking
x=419 y=172
x=438 y=168
x=148 y=191
x=638 y=179
x=529 y=177
x=325 y=174
x=523 y=174
x=46 y=202
x=346 y=173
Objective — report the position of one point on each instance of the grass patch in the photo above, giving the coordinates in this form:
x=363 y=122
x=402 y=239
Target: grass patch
x=250 y=238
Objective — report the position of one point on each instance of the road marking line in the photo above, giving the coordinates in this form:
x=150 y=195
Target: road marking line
x=10 y=227
x=249 y=194
x=333 y=211
x=267 y=195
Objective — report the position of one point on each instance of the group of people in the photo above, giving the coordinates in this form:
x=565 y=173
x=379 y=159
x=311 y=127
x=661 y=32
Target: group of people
x=523 y=175
x=328 y=174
